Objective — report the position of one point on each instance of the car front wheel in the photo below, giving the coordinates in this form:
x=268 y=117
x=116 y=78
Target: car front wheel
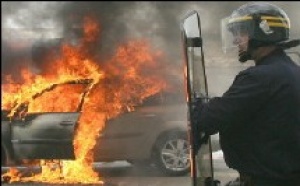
x=171 y=154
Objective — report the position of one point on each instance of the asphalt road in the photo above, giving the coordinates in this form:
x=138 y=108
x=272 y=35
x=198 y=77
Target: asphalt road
x=123 y=174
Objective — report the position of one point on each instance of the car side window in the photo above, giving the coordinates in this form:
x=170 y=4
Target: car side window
x=62 y=98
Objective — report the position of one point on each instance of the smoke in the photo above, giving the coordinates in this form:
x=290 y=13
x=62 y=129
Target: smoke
x=25 y=23
x=156 y=21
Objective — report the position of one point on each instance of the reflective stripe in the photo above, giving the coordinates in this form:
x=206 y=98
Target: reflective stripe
x=273 y=18
x=272 y=24
x=237 y=19
x=244 y=18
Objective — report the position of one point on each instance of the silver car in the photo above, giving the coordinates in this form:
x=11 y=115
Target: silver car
x=155 y=134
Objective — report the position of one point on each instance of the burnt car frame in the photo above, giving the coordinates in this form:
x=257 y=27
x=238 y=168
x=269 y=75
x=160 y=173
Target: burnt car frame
x=154 y=134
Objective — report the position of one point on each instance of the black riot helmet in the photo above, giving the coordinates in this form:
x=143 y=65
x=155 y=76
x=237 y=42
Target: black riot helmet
x=263 y=23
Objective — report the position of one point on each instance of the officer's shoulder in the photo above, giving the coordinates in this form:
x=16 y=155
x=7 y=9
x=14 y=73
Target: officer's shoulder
x=254 y=71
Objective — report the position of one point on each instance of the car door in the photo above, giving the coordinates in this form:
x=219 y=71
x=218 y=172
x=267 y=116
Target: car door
x=47 y=135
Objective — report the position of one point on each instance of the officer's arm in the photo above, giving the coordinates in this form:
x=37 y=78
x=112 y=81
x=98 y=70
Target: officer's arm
x=247 y=93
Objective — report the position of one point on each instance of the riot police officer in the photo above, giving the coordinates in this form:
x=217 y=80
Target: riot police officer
x=258 y=117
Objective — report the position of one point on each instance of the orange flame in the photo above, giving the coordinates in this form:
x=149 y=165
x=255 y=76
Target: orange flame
x=13 y=175
x=121 y=83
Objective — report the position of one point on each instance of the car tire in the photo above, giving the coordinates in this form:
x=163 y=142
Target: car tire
x=171 y=154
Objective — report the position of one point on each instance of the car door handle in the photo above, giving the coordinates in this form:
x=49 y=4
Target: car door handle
x=66 y=123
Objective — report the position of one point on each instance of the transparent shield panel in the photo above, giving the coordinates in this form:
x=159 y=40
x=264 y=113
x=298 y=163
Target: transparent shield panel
x=203 y=158
x=198 y=87
x=191 y=25
x=197 y=71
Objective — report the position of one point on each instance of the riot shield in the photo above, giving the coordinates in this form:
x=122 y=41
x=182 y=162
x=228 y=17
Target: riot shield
x=196 y=87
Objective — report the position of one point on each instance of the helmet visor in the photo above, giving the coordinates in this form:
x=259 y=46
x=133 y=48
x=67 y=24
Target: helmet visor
x=266 y=29
x=235 y=32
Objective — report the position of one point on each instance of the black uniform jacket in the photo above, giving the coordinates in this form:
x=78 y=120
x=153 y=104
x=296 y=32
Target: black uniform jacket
x=258 y=119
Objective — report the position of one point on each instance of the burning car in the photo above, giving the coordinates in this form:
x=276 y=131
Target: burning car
x=79 y=110
x=155 y=133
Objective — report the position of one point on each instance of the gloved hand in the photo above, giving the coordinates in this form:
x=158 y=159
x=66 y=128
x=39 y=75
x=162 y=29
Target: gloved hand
x=196 y=108
x=199 y=137
x=199 y=140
